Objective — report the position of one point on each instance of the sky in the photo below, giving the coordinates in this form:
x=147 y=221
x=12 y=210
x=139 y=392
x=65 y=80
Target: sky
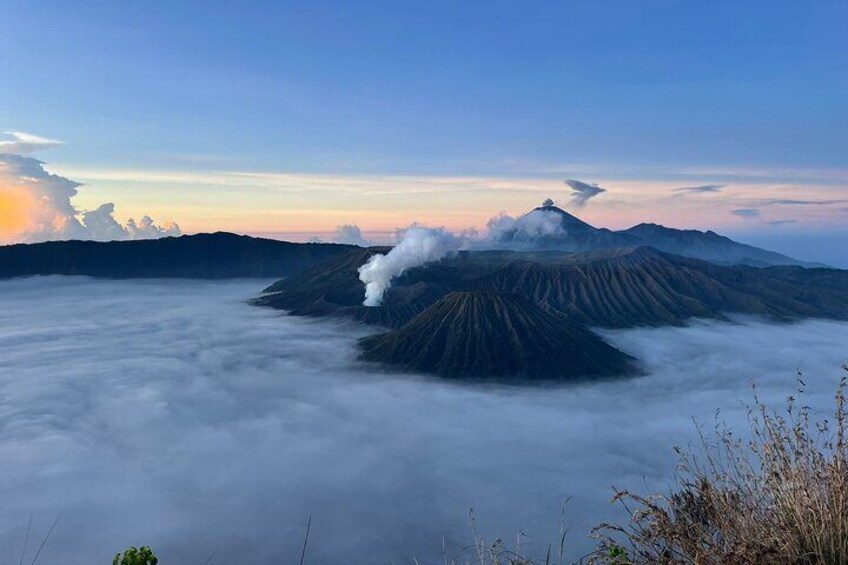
x=290 y=119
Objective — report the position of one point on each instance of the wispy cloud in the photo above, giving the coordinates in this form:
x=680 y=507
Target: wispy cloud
x=792 y=202
x=699 y=189
x=746 y=212
x=21 y=143
x=279 y=201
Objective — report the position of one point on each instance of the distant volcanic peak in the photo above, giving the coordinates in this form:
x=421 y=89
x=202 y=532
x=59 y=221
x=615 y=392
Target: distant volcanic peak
x=569 y=221
x=486 y=334
x=551 y=228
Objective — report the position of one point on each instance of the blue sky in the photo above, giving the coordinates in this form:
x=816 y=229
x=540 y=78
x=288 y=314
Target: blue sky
x=430 y=87
x=688 y=92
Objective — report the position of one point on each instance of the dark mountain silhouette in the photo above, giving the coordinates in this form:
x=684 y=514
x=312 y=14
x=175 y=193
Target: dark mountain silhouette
x=204 y=256
x=576 y=236
x=616 y=288
x=481 y=334
x=516 y=315
x=707 y=245
x=573 y=235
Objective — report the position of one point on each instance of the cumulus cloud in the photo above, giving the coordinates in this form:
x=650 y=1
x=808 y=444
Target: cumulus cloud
x=582 y=192
x=145 y=228
x=347 y=234
x=350 y=234
x=172 y=414
x=420 y=245
x=21 y=143
x=36 y=205
x=746 y=212
x=704 y=188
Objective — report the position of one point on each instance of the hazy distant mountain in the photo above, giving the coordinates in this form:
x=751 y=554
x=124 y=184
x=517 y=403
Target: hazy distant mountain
x=481 y=334
x=565 y=232
x=708 y=246
x=205 y=256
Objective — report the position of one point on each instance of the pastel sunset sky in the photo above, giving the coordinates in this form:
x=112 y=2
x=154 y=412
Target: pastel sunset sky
x=291 y=119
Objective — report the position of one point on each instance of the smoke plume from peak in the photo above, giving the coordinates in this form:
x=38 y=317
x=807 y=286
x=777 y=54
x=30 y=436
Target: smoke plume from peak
x=420 y=245
x=37 y=206
x=582 y=192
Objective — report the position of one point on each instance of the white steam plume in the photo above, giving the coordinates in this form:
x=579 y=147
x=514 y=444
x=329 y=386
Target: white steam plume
x=420 y=245
x=37 y=206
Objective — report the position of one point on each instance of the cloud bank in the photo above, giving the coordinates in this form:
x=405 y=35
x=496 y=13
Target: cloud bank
x=38 y=206
x=172 y=414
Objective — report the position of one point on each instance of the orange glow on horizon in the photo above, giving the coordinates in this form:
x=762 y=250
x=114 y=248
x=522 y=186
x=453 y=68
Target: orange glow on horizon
x=15 y=209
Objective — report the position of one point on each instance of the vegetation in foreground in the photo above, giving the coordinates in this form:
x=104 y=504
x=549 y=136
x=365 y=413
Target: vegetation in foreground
x=136 y=556
x=780 y=497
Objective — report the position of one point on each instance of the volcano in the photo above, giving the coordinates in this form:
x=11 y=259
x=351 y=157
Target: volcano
x=548 y=227
x=481 y=334
x=551 y=228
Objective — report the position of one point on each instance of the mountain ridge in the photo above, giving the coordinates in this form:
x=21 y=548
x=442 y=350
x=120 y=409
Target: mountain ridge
x=707 y=245
x=204 y=256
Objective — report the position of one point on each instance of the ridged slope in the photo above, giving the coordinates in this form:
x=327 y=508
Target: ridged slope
x=645 y=287
x=614 y=288
x=482 y=334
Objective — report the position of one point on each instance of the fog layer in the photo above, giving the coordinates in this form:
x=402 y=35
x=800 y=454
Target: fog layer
x=172 y=414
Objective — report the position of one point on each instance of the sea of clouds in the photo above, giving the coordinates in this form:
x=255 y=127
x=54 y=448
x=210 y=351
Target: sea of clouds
x=175 y=415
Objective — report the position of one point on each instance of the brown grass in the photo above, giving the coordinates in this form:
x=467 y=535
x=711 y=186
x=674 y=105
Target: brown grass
x=779 y=498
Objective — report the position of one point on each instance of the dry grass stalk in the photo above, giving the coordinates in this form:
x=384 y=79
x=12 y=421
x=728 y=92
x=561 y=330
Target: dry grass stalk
x=779 y=498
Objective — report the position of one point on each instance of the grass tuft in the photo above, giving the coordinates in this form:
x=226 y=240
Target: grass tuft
x=779 y=498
